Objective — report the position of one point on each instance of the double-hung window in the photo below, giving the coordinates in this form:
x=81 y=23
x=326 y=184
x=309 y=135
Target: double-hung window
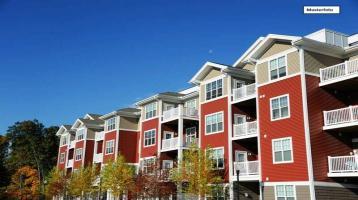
x=282 y=150
x=214 y=89
x=190 y=104
x=109 y=147
x=218 y=158
x=149 y=138
x=151 y=110
x=78 y=154
x=111 y=124
x=80 y=134
x=278 y=68
x=148 y=165
x=62 y=157
x=280 y=107
x=64 y=140
x=285 y=192
x=214 y=123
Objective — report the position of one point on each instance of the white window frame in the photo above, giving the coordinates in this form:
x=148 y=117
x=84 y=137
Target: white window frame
x=63 y=140
x=78 y=156
x=170 y=162
x=277 y=68
x=273 y=151
x=145 y=161
x=285 y=185
x=192 y=103
x=151 y=110
x=223 y=124
x=288 y=107
x=155 y=137
x=109 y=147
x=83 y=130
x=216 y=90
x=111 y=124
x=62 y=157
x=165 y=133
x=216 y=159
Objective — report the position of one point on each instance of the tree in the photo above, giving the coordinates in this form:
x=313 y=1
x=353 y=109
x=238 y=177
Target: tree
x=82 y=181
x=195 y=174
x=24 y=184
x=56 y=183
x=4 y=174
x=117 y=177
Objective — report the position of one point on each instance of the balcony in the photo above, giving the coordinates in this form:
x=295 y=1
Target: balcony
x=69 y=163
x=99 y=136
x=244 y=93
x=72 y=144
x=339 y=73
x=175 y=113
x=344 y=118
x=98 y=158
x=170 y=144
x=249 y=170
x=191 y=141
x=343 y=166
x=245 y=130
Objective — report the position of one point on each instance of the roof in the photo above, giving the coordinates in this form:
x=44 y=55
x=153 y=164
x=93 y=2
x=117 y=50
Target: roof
x=125 y=112
x=204 y=70
x=63 y=129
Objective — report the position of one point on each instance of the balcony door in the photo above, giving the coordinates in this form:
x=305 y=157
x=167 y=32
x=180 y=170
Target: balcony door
x=239 y=119
x=238 y=84
x=167 y=164
x=190 y=135
x=168 y=135
x=240 y=156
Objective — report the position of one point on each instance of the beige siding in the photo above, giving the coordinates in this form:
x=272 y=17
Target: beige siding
x=353 y=57
x=202 y=89
x=276 y=48
x=128 y=123
x=212 y=74
x=262 y=73
x=302 y=192
x=269 y=193
x=249 y=66
x=315 y=61
x=90 y=134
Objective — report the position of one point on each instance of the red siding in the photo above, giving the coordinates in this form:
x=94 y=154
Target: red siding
x=128 y=145
x=77 y=164
x=323 y=144
x=62 y=149
x=151 y=150
x=107 y=137
x=218 y=139
x=290 y=127
x=89 y=152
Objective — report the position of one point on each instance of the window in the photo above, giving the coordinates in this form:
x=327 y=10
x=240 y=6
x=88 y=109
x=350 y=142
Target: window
x=111 y=124
x=78 y=154
x=149 y=138
x=282 y=150
x=218 y=192
x=64 y=140
x=285 y=192
x=62 y=157
x=218 y=158
x=214 y=123
x=280 y=107
x=214 y=89
x=151 y=110
x=148 y=165
x=190 y=104
x=109 y=147
x=80 y=134
x=278 y=68
x=190 y=135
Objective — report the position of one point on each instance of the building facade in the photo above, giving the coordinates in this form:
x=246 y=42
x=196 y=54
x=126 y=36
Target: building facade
x=281 y=121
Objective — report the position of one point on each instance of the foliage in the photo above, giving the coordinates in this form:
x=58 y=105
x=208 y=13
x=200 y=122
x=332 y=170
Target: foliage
x=81 y=182
x=56 y=183
x=24 y=184
x=4 y=174
x=197 y=172
x=117 y=176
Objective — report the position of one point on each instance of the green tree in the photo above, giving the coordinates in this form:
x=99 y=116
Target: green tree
x=82 y=181
x=56 y=183
x=195 y=173
x=118 y=177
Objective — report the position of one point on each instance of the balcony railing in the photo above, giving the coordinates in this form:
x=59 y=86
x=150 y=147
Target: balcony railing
x=244 y=92
x=176 y=112
x=248 y=168
x=170 y=143
x=189 y=141
x=98 y=157
x=99 y=136
x=72 y=144
x=339 y=71
x=69 y=163
x=341 y=116
x=245 y=130
x=343 y=164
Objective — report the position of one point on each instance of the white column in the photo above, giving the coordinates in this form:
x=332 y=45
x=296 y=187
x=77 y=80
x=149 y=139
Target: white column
x=180 y=132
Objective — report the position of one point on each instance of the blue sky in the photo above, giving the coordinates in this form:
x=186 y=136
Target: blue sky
x=60 y=59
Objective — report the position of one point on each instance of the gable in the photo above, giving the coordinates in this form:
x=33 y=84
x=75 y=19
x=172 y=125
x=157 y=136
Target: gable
x=275 y=48
x=212 y=74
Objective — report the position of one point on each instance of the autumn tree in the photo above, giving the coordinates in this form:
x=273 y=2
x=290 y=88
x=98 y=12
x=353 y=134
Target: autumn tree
x=117 y=177
x=82 y=181
x=4 y=173
x=24 y=184
x=56 y=183
x=195 y=174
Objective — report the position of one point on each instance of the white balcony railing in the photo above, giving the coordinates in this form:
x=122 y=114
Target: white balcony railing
x=343 y=164
x=189 y=141
x=99 y=136
x=341 y=116
x=170 y=143
x=69 y=163
x=176 y=112
x=98 y=157
x=72 y=144
x=338 y=71
x=246 y=129
x=248 y=168
x=243 y=92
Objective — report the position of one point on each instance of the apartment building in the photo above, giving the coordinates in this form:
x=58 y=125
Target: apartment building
x=281 y=119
